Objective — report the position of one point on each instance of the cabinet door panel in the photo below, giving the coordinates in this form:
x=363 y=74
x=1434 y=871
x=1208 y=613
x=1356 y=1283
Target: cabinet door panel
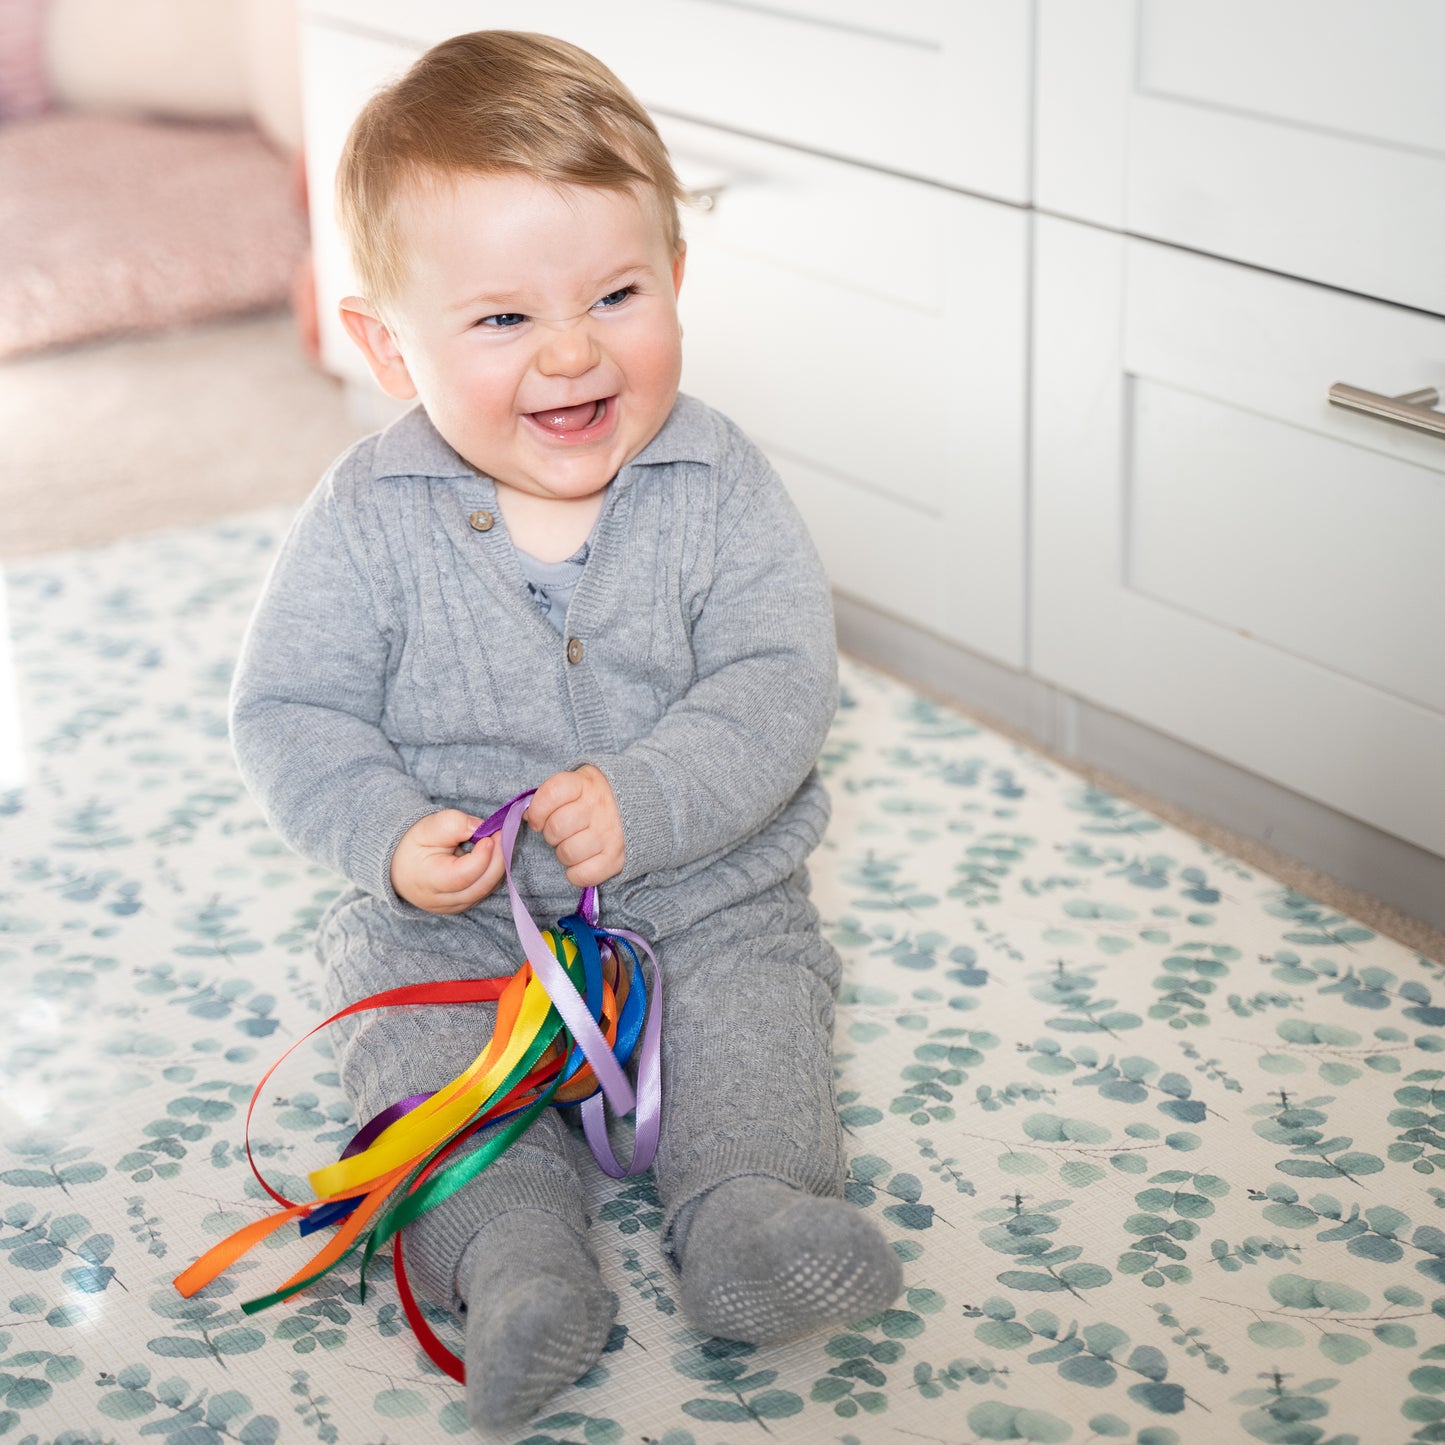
x=1305 y=136
x=1316 y=548
x=868 y=331
x=1247 y=569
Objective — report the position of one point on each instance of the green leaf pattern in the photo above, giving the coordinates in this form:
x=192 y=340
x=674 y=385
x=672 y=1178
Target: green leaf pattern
x=1160 y=1142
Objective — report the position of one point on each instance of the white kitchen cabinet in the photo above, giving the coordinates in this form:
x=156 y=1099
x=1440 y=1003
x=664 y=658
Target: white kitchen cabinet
x=1303 y=136
x=937 y=89
x=1218 y=551
x=341 y=69
x=868 y=329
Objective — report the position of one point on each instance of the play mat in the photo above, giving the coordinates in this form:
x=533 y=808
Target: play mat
x=1160 y=1142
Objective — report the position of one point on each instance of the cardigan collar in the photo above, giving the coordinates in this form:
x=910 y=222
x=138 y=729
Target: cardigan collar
x=412 y=447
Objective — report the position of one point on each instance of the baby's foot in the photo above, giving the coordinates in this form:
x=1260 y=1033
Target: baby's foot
x=538 y=1316
x=764 y=1262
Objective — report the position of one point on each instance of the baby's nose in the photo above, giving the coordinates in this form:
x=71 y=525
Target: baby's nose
x=568 y=348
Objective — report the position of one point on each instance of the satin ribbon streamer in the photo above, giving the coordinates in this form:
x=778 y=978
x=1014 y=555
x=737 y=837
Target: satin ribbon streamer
x=568 y=1021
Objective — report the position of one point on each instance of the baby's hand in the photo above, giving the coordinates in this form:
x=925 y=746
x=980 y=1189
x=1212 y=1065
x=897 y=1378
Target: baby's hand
x=427 y=870
x=577 y=814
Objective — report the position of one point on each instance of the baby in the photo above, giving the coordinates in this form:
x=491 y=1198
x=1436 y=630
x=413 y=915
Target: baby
x=557 y=572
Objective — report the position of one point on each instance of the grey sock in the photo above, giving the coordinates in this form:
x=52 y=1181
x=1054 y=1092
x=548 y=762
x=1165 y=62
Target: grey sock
x=538 y=1315
x=764 y=1262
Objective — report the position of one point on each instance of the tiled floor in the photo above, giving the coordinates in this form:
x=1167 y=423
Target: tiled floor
x=1161 y=1142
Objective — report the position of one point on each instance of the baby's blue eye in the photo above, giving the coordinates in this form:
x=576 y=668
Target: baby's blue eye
x=616 y=298
x=505 y=321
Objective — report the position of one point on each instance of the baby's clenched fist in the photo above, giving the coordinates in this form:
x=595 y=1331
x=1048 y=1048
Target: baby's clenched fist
x=427 y=869
x=577 y=814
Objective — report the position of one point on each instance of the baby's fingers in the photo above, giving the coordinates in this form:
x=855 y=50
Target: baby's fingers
x=447 y=829
x=450 y=870
x=560 y=788
x=462 y=881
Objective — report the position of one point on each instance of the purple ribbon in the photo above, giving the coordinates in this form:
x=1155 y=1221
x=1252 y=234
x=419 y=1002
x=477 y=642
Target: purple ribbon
x=367 y=1134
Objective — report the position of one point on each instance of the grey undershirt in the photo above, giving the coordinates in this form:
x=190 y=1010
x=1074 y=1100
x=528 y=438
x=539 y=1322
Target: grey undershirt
x=551 y=584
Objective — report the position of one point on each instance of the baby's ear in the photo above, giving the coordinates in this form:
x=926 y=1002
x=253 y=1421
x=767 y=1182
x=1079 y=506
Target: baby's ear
x=376 y=343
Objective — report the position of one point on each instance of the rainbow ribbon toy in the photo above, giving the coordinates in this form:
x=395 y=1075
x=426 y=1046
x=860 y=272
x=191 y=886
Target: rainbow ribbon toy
x=568 y=1022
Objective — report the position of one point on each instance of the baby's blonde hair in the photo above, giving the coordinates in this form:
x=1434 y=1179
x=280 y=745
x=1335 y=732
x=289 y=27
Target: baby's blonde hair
x=489 y=103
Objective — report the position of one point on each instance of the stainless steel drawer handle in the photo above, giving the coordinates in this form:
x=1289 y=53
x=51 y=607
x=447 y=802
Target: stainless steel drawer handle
x=1413 y=409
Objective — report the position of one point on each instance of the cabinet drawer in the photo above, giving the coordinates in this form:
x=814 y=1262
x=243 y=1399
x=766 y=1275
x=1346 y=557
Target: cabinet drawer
x=1220 y=552
x=1256 y=504
x=932 y=88
x=1315 y=147
x=868 y=331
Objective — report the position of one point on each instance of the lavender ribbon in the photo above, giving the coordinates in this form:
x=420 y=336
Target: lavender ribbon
x=649 y=1085
x=615 y=1087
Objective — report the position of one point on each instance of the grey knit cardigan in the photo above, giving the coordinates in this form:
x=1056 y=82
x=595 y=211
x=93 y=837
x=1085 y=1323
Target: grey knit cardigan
x=395 y=665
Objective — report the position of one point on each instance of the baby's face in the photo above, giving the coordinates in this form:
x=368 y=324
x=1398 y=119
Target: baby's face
x=539 y=327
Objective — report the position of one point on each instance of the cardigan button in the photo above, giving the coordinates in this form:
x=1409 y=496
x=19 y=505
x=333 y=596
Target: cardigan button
x=574 y=650
x=482 y=521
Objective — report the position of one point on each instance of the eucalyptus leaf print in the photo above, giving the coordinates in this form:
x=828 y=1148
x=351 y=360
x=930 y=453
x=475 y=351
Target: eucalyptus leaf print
x=1023 y=1230
x=871 y=1178
x=576 y=1428
x=1191 y=1339
x=1167 y=1222
x=635 y=1207
x=174 y=1407
x=650 y=1281
x=739 y=1391
x=1190 y=979
x=1420 y=1119
x=1080 y=1009
x=209 y=1329
x=1286 y=1413
x=945 y=1167
x=986 y=867
x=38 y=1241
x=1094 y=1356
x=1314 y=1151
x=1159 y=1142
x=50 y=1164
x=884 y=887
x=938 y=1069
x=28 y=1379
x=859 y=1379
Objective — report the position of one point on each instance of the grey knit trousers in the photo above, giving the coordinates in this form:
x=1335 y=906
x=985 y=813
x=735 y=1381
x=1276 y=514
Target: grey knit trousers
x=747 y=1057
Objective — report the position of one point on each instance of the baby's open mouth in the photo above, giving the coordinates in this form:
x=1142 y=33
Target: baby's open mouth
x=572 y=418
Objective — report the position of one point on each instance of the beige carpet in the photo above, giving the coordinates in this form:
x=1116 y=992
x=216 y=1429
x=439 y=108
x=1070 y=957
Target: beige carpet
x=141 y=434
x=138 y=435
